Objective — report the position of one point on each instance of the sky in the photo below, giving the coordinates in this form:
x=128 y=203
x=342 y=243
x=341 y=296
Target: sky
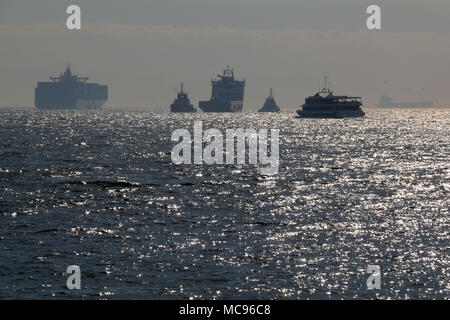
x=143 y=49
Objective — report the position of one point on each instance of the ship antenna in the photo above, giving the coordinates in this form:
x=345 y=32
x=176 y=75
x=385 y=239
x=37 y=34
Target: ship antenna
x=271 y=92
x=326 y=85
x=182 y=88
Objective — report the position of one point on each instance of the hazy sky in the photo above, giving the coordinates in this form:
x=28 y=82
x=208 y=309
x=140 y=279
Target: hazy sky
x=143 y=49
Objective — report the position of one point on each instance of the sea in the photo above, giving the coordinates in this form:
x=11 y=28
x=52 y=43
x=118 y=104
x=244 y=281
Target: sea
x=99 y=190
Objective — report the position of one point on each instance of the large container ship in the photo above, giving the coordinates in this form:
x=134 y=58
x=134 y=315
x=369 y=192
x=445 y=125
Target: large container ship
x=270 y=105
x=227 y=94
x=325 y=104
x=69 y=91
x=386 y=102
x=182 y=102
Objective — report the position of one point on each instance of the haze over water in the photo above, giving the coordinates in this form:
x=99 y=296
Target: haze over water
x=99 y=190
x=143 y=49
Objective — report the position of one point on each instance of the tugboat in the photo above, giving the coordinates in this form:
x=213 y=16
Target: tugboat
x=182 y=102
x=325 y=104
x=270 y=104
x=69 y=91
x=227 y=94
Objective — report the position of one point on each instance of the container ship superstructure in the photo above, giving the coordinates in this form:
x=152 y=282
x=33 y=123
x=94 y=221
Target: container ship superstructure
x=227 y=94
x=69 y=91
x=325 y=104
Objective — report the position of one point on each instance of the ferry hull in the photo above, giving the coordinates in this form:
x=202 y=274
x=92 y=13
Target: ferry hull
x=330 y=114
x=343 y=110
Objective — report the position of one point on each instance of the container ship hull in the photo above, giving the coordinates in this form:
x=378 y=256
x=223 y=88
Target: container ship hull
x=64 y=104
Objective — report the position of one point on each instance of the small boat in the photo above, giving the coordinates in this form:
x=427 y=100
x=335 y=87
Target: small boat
x=182 y=102
x=270 y=104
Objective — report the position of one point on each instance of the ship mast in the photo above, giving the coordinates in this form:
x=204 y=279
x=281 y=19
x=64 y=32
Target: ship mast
x=325 y=85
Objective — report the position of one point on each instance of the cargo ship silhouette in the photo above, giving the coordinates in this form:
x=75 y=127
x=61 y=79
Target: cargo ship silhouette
x=69 y=91
x=387 y=102
x=227 y=94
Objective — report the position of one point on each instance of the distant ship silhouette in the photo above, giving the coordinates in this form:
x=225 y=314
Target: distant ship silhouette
x=69 y=91
x=227 y=94
x=270 y=105
x=182 y=102
x=324 y=104
x=386 y=102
